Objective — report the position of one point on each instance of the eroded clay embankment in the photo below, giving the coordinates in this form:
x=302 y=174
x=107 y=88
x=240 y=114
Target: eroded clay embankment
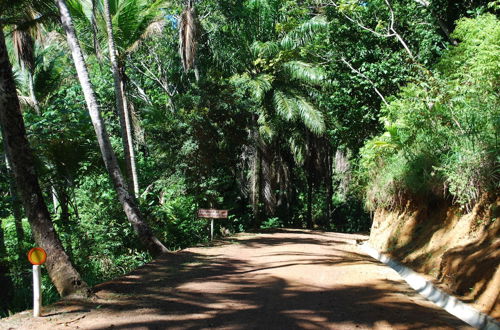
x=460 y=250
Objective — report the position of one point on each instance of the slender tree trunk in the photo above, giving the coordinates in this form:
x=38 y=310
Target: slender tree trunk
x=309 y=179
x=256 y=187
x=130 y=139
x=55 y=201
x=16 y=205
x=121 y=104
x=329 y=185
x=130 y=208
x=64 y=276
x=31 y=86
x=269 y=197
x=309 y=201
x=3 y=250
x=64 y=218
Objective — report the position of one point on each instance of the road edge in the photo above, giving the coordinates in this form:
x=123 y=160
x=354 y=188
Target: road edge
x=425 y=288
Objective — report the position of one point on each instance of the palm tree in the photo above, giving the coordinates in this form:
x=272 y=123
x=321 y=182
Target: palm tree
x=121 y=103
x=127 y=23
x=129 y=205
x=282 y=85
x=64 y=276
x=24 y=46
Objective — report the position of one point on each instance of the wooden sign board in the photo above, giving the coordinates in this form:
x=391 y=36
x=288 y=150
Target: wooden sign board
x=212 y=214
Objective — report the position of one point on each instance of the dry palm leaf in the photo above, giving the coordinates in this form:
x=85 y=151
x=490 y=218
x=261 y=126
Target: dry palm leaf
x=24 y=47
x=187 y=36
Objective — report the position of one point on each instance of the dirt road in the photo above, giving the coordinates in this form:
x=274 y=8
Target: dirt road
x=286 y=280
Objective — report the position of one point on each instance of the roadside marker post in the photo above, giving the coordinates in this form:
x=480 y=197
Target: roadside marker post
x=37 y=257
x=212 y=214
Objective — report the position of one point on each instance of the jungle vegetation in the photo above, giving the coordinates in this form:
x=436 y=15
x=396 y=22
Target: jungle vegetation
x=120 y=118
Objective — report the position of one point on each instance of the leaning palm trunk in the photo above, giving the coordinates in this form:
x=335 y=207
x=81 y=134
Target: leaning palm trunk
x=64 y=276
x=130 y=208
x=121 y=105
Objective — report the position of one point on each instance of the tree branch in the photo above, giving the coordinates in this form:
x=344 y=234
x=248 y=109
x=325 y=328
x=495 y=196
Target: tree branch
x=366 y=78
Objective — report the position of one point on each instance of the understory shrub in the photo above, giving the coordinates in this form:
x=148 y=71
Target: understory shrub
x=442 y=132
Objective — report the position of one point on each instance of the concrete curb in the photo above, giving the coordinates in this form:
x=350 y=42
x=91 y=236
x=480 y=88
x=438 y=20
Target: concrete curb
x=449 y=303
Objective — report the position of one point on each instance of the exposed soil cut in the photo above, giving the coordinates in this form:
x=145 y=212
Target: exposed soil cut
x=459 y=251
x=283 y=280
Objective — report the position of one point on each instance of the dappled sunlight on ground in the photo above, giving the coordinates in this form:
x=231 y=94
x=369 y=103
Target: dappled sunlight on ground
x=283 y=280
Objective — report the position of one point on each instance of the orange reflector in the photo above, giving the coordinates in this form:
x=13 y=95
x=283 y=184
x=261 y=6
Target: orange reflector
x=37 y=256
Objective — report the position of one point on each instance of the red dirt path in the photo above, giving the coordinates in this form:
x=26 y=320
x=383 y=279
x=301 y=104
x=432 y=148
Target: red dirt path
x=284 y=280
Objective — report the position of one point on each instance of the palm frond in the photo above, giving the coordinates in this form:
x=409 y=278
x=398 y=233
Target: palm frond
x=264 y=49
x=310 y=115
x=266 y=131
x=304 y=33
x=16 y=12
x=259 y=5
x=285 y=106
x=153 y=29
x=296 y=143
x=187 y=36
x=304 y=72
x=256 y=86
x=24 y=48
x=134 y=20
x=259 y=86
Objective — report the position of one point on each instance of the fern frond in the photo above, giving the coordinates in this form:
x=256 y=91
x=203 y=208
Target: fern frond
x=305 y=72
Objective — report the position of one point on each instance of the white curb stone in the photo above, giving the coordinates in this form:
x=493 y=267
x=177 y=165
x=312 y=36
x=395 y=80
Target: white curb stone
x=449 y=303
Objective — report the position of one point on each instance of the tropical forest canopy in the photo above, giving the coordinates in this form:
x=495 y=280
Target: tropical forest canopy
x=305 y=114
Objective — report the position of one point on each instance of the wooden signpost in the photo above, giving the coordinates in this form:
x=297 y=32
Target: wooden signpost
x=37 y=256
x=212 y=214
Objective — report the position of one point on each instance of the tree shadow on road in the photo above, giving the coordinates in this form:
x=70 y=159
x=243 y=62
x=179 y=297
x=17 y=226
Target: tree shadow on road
x=187 y=290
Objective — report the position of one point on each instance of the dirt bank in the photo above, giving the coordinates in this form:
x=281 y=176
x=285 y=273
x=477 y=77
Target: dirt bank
x=459 y=250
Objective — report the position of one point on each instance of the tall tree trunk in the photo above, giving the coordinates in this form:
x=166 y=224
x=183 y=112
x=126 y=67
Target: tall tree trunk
x=64 y=276
x=64 y=218
x=15 y=204
x=130 y=208
x=269 y=197
x=256 y=186
x=329 y=185
x=55 y=201
x=309 y=178
x=121 y=104
x=128 y=130
x=309 y=201
x=31 y=86
x=3 y=250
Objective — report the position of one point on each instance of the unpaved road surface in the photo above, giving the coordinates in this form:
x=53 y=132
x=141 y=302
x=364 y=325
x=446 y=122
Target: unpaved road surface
x=284 y=280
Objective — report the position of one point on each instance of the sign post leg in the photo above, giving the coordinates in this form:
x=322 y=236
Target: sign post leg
x=211 y=229
x=37 y=291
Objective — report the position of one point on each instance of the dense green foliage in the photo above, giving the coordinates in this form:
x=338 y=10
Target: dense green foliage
x=296 y=114
x=442 y=131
